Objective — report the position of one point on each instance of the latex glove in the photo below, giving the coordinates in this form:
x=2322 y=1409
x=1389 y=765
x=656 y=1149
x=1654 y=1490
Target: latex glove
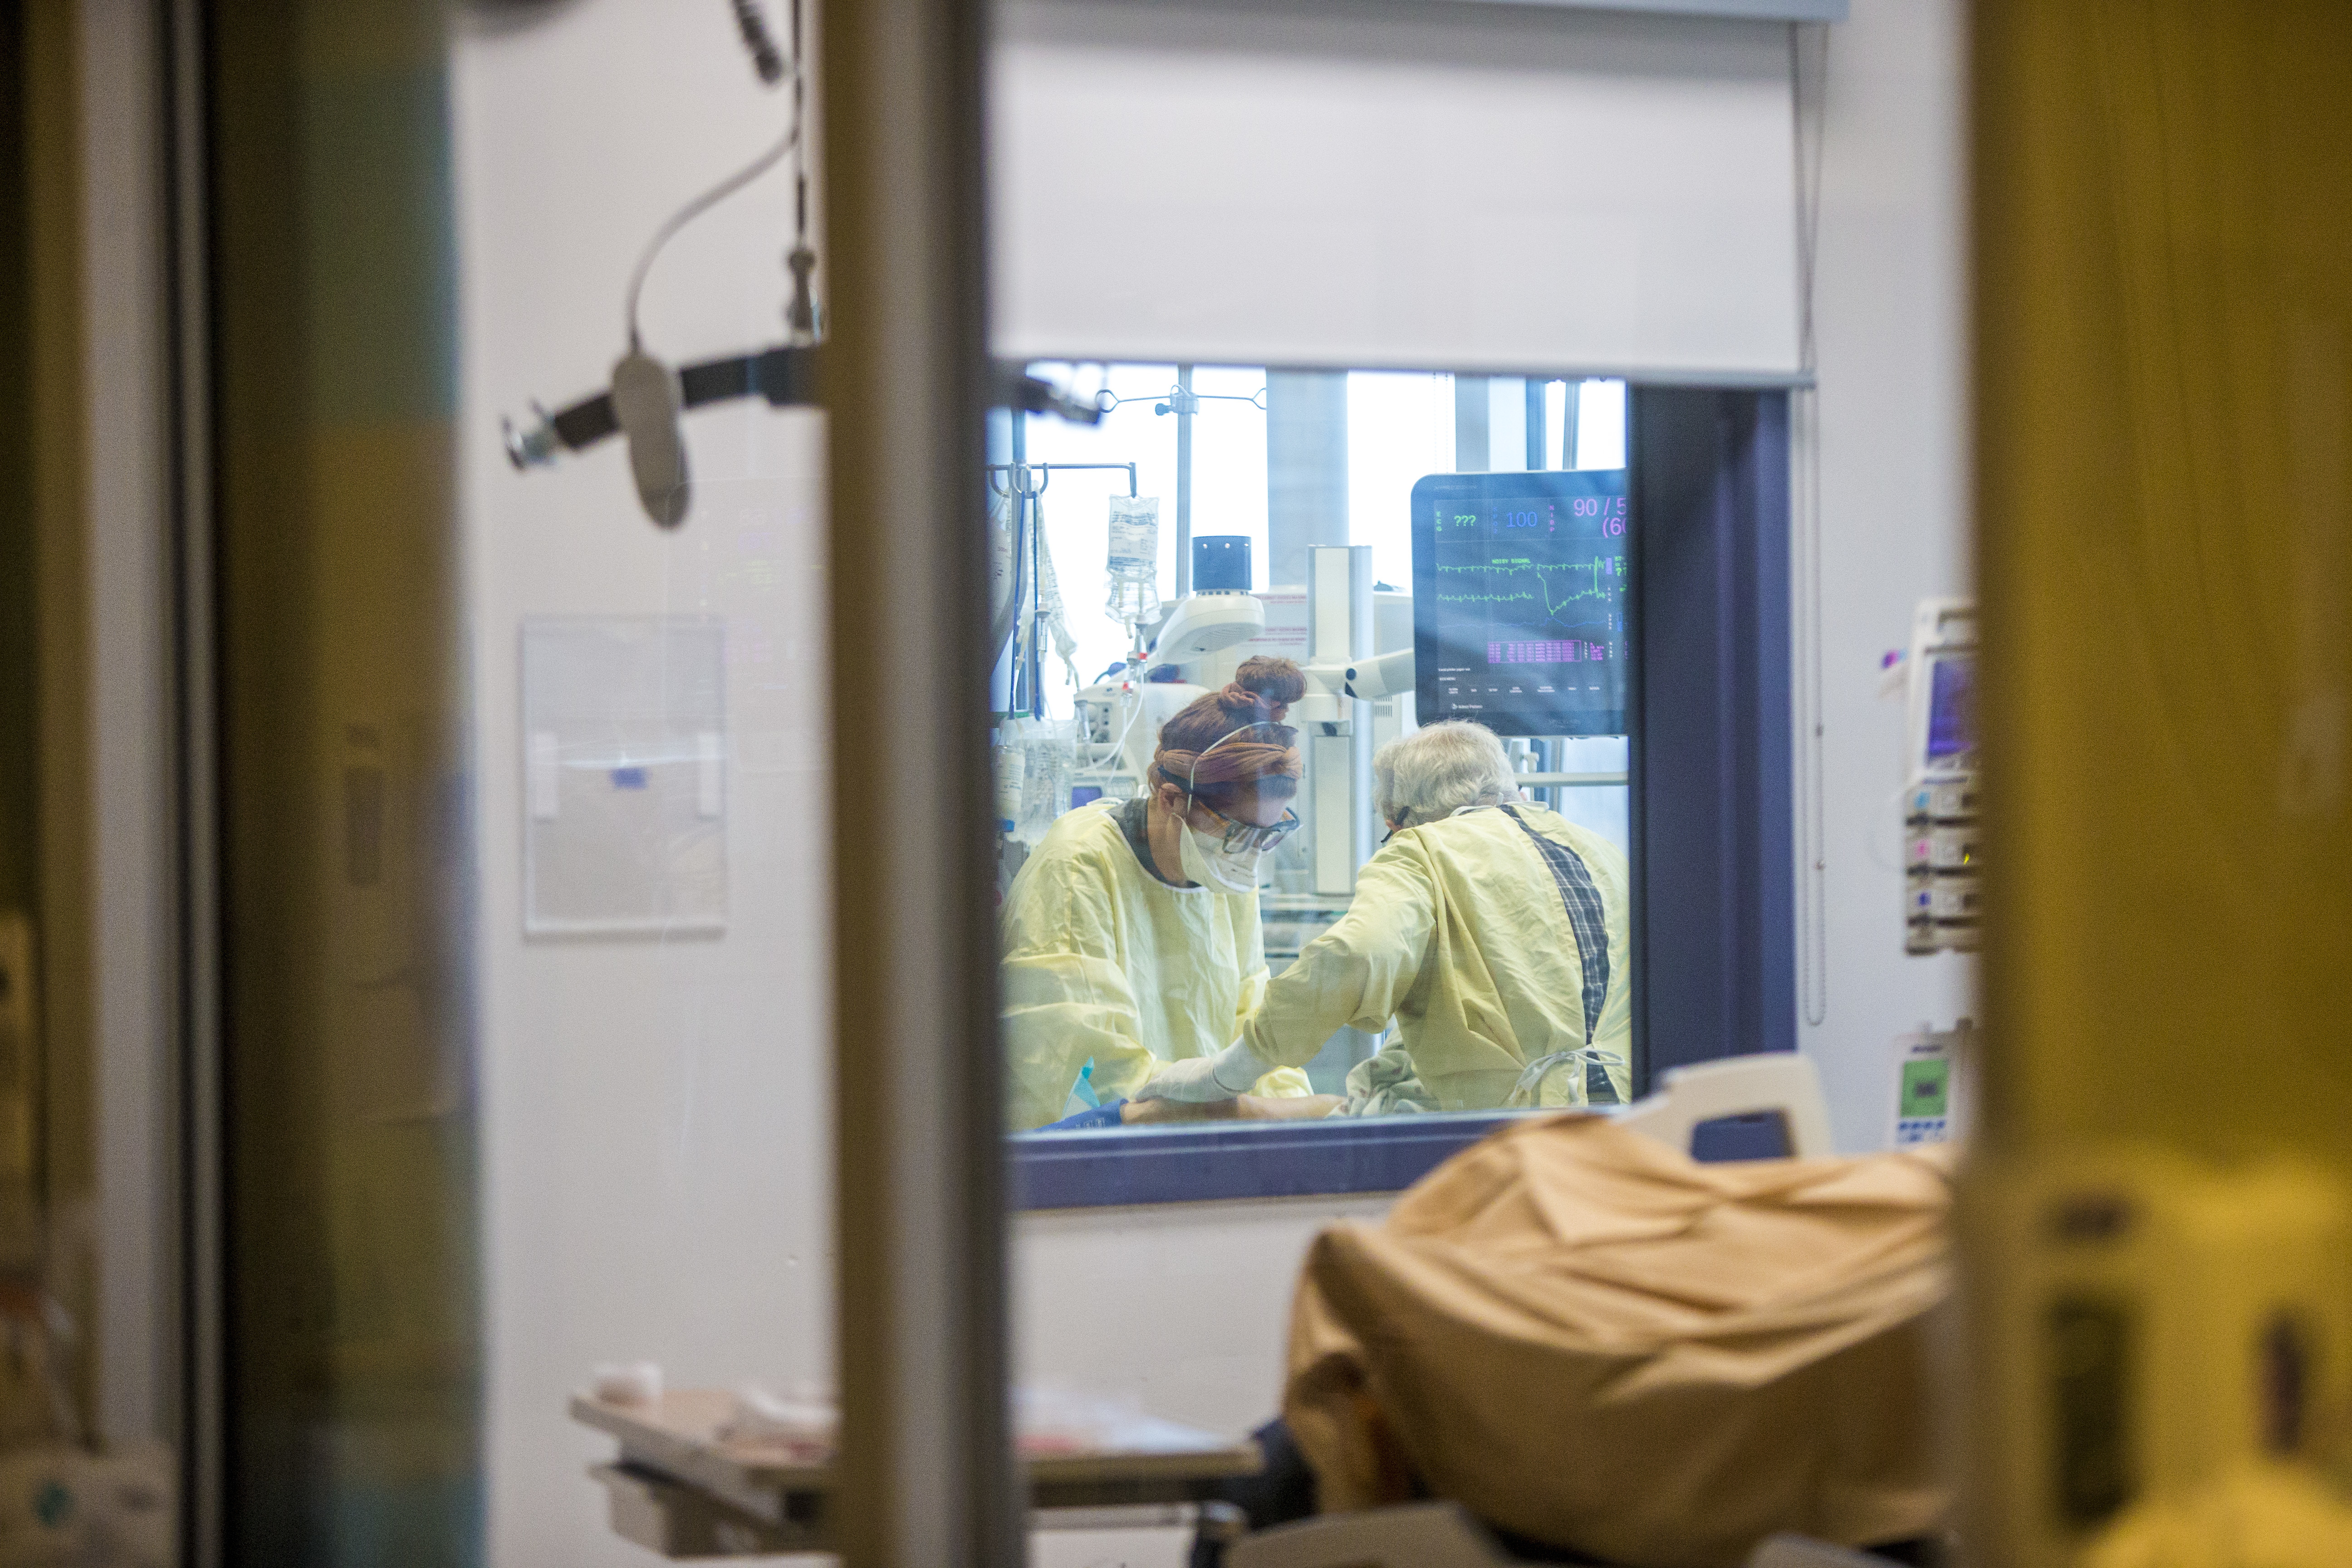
x=1198 y=1079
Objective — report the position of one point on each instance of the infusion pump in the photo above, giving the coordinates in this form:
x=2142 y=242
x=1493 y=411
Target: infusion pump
x=1940 y=838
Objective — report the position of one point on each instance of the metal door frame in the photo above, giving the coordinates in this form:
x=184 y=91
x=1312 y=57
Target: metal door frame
x=927 y=1472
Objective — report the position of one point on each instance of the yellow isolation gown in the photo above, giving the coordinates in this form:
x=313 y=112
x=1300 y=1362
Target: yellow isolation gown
x=1457 y=931
x=1103 y=960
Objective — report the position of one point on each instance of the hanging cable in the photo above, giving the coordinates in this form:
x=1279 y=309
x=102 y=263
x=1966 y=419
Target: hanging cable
x=712 y=197
x=800 y=313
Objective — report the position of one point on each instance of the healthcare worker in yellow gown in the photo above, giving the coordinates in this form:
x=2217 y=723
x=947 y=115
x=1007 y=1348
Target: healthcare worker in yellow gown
x=1131 y=934
x=1495 y=932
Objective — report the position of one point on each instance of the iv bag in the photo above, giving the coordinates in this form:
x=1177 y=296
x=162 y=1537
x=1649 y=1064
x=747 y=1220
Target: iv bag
x=1134 y=566
x=1001 y=609
x=1049 y=607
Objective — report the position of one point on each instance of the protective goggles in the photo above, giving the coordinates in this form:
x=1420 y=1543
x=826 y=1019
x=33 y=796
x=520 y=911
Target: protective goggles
x=1242 y=835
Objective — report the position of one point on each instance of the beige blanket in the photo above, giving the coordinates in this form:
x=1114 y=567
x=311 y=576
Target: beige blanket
x=1589 y=1339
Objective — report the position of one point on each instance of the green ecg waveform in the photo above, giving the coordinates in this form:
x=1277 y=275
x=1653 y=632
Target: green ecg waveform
x=1512 y=565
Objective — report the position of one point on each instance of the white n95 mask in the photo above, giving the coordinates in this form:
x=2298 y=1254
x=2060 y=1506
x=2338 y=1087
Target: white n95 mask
x=1208 y=862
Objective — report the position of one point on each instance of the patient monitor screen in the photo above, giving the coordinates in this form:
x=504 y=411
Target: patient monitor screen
x=1519 y=592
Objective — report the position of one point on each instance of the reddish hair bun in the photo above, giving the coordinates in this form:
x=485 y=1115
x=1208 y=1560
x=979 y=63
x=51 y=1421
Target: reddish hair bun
x=1261 y=692
x=1264 y=688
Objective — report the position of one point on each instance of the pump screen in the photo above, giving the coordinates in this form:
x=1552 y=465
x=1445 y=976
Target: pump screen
x=1519 y=592
x=1951 y=710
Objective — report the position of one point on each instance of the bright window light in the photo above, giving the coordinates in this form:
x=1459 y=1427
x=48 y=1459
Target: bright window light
x=1400 y=429
x=1599 y=425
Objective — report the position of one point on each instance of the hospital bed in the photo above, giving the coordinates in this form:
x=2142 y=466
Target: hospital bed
x=1766 y=1104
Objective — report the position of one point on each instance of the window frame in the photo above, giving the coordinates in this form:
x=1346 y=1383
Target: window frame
x=1713 y=831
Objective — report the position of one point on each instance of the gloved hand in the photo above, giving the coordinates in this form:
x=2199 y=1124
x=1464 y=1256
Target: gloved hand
x=1198 y=1079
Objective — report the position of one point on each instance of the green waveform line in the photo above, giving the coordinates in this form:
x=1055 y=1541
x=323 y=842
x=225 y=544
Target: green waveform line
x=1595 y=592
x=1512 y=566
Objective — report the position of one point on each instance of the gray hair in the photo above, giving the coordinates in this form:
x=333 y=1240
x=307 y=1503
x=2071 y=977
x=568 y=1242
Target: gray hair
x=1439 y=769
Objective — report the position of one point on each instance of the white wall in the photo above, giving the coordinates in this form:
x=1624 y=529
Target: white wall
x=1892 y=329
x=654 y=1120
x=1183 y=1308
x=1180 y=1306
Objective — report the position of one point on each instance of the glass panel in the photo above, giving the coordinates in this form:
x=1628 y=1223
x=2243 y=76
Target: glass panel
x=352 y=1296
x=1312 y=767
x=525 y=763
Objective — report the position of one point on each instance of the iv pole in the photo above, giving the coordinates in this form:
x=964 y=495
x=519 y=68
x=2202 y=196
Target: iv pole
x=1184 y=406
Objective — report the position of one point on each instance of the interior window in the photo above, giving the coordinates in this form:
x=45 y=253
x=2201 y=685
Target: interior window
x=1310 y=707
